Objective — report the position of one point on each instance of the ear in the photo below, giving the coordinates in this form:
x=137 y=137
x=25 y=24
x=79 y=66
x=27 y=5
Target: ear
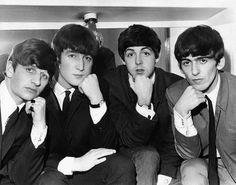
x=9 y=69
x=122 y=61
x=157 y=60
x=221 y=64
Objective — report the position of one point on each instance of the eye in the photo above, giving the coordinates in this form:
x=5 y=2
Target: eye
x=45 y=76
x=129 y=54
x=87 y=58
x=146 y=53
x=203 y=60
x=185 y=63
x=30 y=69
x=71 y=55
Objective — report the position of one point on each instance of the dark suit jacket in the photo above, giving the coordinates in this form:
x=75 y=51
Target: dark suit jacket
x=135 y=130
x=21 y=163
x=225 y=116
x=75 y=135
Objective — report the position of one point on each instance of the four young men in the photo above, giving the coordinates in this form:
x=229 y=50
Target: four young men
x=117 y=130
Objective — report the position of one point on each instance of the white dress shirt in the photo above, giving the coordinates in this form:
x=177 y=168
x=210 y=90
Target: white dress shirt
x=8 y=106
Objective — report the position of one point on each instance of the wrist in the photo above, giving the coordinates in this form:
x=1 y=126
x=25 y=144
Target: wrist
x=97 y=105
x=39 y=124
x=145 y=106
x=182 y=113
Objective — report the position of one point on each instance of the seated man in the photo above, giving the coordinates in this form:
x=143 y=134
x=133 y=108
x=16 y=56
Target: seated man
x=139 y=108
x=204 y=106
x=28 y=69
x=80 y=130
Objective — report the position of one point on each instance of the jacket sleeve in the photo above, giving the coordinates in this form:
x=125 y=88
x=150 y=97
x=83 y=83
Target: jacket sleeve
x=133 y=129
x=103 y=134
x=186 y=147
x=27 y=164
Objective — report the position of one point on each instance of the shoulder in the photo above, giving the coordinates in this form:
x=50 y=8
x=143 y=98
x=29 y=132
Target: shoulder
x=167 y=77
x=175 y=90
x=228 y=81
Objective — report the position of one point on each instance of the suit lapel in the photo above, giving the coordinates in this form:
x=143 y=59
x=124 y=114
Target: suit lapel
x=17 y=128
x=222 y=100
x=53 y=108
x=128 y=92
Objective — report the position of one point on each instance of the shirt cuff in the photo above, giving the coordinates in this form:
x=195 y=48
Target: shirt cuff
x=38 y=135
x=145 y=111
x=184 y=124
x=98 y=113
x=163 y=179
x=65 y=165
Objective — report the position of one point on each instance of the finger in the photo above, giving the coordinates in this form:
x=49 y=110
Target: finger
x=31 y=108
x=28 y=107
x=81 y=89
x=103 y=153
x=131 y=82
x=100 y=160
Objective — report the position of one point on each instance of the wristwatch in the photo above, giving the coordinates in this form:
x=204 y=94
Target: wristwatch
x=97 y=105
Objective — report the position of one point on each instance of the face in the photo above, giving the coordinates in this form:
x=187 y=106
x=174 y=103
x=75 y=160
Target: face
x=140 y=60
x=201 y=72
x=26 y=82
x=73 y=68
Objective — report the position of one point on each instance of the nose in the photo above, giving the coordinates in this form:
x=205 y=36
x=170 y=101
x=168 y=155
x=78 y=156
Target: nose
x=138 y=60
x=37 y=79
x=80 y=64
x=195 y=69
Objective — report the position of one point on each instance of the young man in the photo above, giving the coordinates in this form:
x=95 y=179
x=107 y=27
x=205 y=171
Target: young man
x=77 y=134
x=23 y=127
x=199 y=51
x=139 y=107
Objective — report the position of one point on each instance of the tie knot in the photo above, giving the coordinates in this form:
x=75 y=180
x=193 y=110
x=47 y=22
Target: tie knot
x=67 y=93
x=208 y=99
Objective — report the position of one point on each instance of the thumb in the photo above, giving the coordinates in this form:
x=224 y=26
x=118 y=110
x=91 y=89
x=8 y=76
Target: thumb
x=131 y=82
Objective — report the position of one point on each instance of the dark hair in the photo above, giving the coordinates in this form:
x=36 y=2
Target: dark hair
x=138 y=35
x=34 y=51
x=201 y=40
x=77 y=38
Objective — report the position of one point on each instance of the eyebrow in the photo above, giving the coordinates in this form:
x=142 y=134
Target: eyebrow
x=145 y=47
x=199 y=57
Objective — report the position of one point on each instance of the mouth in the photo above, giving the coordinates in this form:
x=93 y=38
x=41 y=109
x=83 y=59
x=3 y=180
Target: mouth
x=140 y=71
x=31 y=90
x=78 y=75
x=197 y=81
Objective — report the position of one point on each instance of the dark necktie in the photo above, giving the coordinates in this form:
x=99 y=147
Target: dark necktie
x=11 y=120
x=212 y=163
x=66 y=103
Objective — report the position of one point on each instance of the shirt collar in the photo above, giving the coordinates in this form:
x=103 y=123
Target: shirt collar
x=213 y=94
x=7 y=102
x=59 y=90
